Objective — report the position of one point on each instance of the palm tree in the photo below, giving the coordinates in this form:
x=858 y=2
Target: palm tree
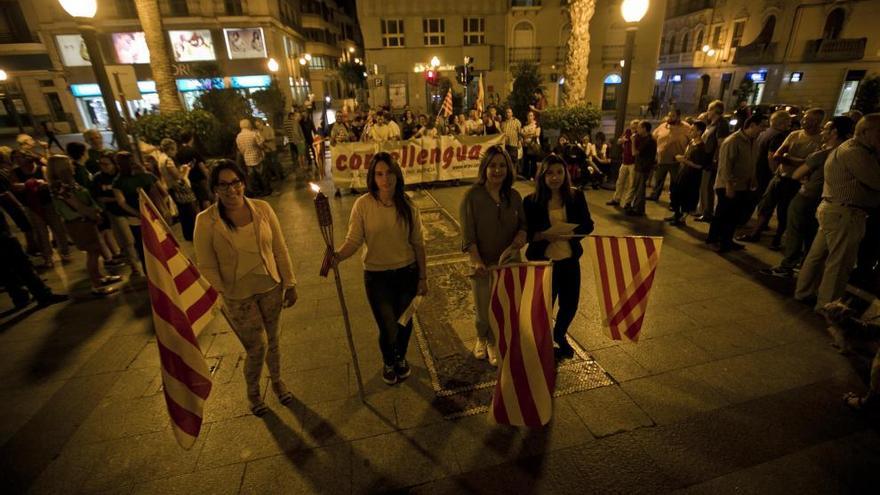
x=160 y=62
x=578 y=56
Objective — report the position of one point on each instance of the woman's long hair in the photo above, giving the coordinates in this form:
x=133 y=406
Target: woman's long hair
x=401 y=200
x=507 y=185
x=59 y=170
x=220 y=166
x=542 y=191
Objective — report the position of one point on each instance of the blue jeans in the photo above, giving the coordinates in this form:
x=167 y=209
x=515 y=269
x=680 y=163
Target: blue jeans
x=389 y=293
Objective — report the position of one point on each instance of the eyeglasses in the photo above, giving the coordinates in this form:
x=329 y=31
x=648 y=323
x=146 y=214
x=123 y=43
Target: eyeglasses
x=225 y=186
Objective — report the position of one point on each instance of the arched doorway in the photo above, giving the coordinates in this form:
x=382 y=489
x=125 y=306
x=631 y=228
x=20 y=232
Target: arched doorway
x=610 y=87
x=703 y=100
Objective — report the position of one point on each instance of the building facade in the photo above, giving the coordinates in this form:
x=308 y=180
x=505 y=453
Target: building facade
x=224 y=43
x=809 y=54
x=401 y=37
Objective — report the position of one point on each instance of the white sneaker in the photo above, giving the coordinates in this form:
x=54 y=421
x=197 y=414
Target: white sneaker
x=493 y=355
x=480 y=349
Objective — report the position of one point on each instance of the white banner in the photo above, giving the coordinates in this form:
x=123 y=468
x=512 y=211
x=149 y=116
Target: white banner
x=421 y=160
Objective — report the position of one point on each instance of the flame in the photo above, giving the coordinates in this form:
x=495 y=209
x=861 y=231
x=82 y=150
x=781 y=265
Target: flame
x=315 y=187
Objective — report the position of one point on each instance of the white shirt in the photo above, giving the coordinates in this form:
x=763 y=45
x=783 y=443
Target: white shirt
x=250 y=271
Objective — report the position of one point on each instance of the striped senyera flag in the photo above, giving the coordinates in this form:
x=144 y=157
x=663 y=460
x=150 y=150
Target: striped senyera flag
x=183 y=304
x=519 y=314
x=624 y=268
x=447 y=104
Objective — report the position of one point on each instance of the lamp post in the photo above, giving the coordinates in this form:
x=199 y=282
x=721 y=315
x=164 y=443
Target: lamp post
x=633 y=11
x=83 y=11
x=6 y=96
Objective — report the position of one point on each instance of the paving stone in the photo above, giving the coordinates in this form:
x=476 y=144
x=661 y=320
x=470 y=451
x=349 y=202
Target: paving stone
x=348 y=419
x=120 y=418
x=321 y=384
x=564 y=430
x=69 y=470
x=693 y=395
x=219 y=481
x=666 y=353
x=717 y=311
x=619 y=364
x=397 y=460
x=727 y=340
x=608 y=410
x=247 y=438
x=320 y=470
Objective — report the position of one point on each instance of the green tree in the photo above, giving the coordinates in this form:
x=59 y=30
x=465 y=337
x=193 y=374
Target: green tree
x=573 y=121
x=160 y=62
x=526 y=80
x=270 y=102
x=229 y=107
x=868 y=98
x=352 y=75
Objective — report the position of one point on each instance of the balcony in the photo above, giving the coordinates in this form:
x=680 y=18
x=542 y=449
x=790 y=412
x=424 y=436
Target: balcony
x=525 y=3
x=516 y=55
x=839 y=50
x=755 y=53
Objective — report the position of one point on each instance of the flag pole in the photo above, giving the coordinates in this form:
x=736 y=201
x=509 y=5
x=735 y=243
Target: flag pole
x=325 y=222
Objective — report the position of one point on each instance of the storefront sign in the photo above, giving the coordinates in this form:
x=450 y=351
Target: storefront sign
x=421 y=160
x=192 y=46
x=239 y=82
x=73 y=50
x=199 y=84
x=131 y=48
x=91 y=90
x=245 y=43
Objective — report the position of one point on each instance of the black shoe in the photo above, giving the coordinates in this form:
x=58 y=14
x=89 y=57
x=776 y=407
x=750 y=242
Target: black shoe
x=402 y=369
x=21 y=303
x=671 y=219
x=612 y=203
x=51 y=299
x=704 y=218
x=633 y=213
x=388 y=375
x=777 y=271
x=748 y=238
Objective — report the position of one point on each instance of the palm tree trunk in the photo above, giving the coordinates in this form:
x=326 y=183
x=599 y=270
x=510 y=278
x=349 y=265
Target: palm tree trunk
x=578 y=56
x=160 y=61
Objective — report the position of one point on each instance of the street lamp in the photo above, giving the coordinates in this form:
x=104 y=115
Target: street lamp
x=633 y=11
x=435 y=62
x=83 y=11
x=272 y=64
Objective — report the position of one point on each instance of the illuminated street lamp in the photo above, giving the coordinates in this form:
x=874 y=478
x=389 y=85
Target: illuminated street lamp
x=302 y=61
x=272 y=64
x=633 y=11
x=351 y=49
x=83 y=11
x=308 y=57
x=435 y=62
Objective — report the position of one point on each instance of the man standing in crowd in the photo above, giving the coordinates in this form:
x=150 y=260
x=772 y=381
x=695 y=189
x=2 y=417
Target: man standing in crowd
x=511 y=128
x=95 y=140
x=733 y=183
x=768 y=142
x=381 y=131
x=782 y=187
x=717 y=129
x=341 y=132
x=645 y=153
x=672 y=139
x=270 y=148
x=623 y=188
x=850 y=191
x=802 y=225
x=474 y=126
x=250 y=145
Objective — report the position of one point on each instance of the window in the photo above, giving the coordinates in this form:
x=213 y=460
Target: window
x=716 y=36
x=766 y=35
x=671 y=44
x=177 y=8
x=685 y=43
x=738 y=28
x=13 y=28
x=834 y=24
x=435 y=31
x=232 y=7
x=392 y=32
x=474 y=31
x=699 y=41
x=125 y=9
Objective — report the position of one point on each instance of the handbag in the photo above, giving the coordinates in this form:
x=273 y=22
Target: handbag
x=182 y=193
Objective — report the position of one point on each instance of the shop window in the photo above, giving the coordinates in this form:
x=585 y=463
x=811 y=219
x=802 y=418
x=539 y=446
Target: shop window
x=392 y=32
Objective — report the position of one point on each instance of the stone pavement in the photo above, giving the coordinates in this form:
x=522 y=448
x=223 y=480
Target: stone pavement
x=734 y=388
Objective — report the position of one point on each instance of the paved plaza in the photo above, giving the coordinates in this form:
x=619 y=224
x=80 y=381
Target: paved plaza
x=734 y=387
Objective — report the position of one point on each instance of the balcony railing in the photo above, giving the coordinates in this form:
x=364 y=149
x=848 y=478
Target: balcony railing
x=524 y=55
x=23 y=37
x=755 y=53
x=839 y=50
x=525 y=3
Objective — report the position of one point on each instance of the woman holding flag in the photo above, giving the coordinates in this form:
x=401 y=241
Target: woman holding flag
x=387 y=222
x=241 y=251
x=558 y=218
x=493 y=224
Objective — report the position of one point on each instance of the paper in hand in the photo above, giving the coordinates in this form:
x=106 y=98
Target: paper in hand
x=561 y=229
x=410 y=311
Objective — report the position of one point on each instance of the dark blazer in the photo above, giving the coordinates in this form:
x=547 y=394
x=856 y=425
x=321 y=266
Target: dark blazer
x=538 y=220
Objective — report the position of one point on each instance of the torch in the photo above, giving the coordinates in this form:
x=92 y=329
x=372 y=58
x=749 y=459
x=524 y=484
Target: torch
x=325 y=223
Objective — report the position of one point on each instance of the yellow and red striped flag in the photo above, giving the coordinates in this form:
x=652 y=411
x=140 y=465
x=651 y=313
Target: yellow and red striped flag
x=447 y=104
x=480 y=103
x=183 y=304
x=519 y=315
x=624 y=268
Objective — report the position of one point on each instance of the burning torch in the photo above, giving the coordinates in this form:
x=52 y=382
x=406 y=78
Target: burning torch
x=325 y=223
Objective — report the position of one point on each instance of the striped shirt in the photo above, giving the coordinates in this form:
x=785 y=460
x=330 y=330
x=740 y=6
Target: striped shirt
x=852 y=176
x=511 y=128
x=250 y=145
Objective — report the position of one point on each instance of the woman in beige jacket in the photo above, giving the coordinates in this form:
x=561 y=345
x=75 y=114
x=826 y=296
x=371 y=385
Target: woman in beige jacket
x=241 y=251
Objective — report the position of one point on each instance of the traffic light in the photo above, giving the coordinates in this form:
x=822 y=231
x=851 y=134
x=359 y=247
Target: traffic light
x=464 y=74
x=431 y=77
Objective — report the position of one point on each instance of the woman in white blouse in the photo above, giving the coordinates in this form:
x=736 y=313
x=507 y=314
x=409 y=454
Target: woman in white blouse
x=241 y=251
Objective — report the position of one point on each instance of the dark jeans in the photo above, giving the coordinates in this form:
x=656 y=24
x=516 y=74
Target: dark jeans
x=257 y=183
x=139 y=245
x=17 y=273
x=684 y=190
x=529 y=165
x=729 y=213
x=639 y=184
x=389 y=293
x=800 y=230
x=186 y=213
x=778 y=195
x=567 y=287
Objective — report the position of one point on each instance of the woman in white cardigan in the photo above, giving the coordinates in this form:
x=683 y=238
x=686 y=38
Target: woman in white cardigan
x=241 y=251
